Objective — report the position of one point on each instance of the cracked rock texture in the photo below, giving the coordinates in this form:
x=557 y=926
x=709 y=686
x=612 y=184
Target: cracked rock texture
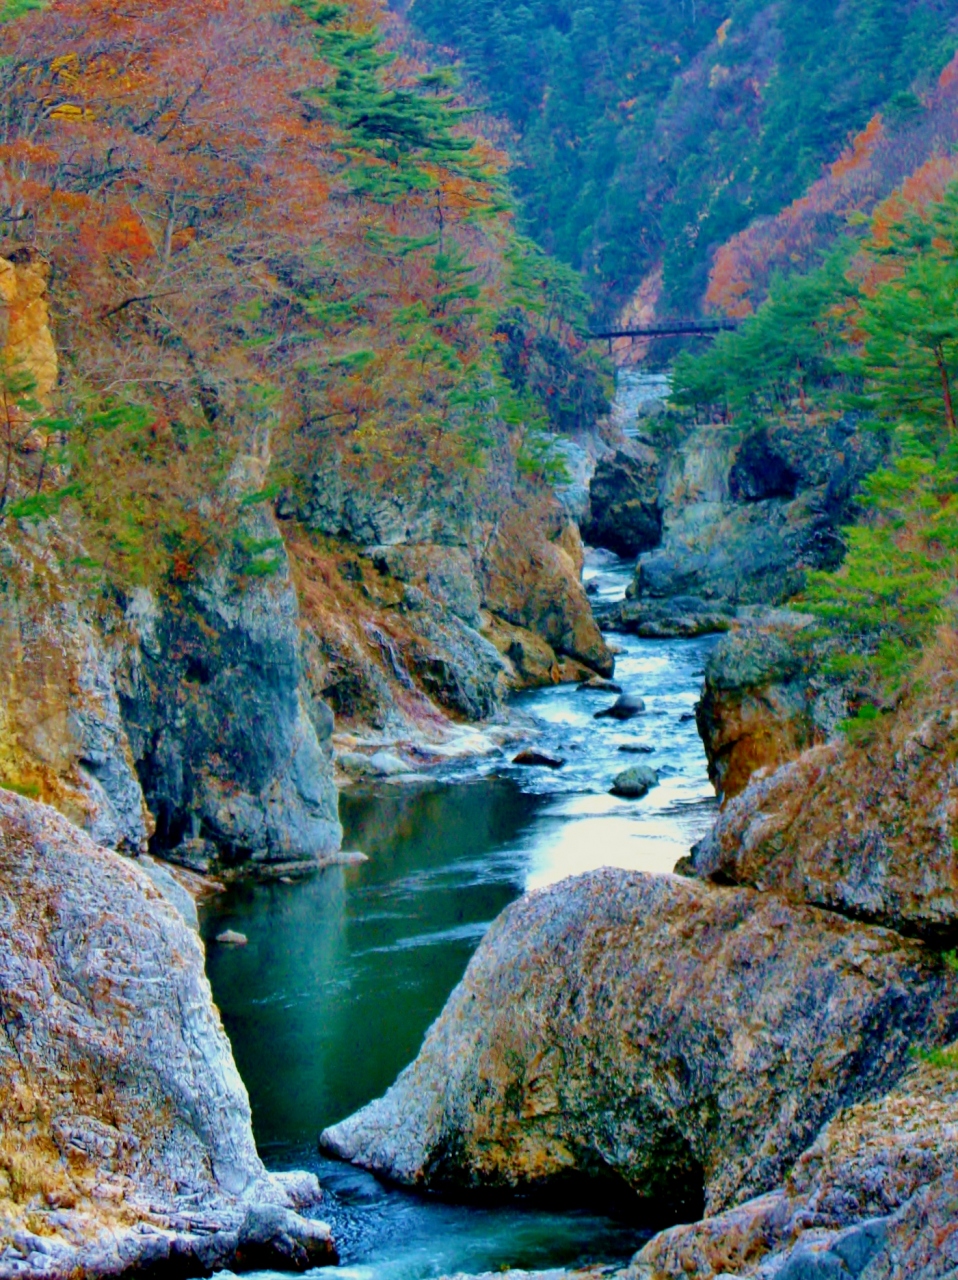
x=125 y=1135
x=687 y=1040
x=875 y=1197
x=865 y=827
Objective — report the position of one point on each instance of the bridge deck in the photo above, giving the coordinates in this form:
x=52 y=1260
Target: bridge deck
x=679 y=328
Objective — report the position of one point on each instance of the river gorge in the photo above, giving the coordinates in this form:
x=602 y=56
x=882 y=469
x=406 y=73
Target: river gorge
x=343 y=973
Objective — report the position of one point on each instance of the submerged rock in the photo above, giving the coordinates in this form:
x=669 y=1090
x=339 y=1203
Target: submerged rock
x=125 y=1133
x=685 y=1040
x=598 y=685
x=538 y=760
x=231 y=938
x=635 y=783
x=626 y=707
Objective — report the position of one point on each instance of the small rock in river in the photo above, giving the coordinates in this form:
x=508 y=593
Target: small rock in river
x=598 y=685
x=638 y=749
x=387 y=765
x=626 y=708
x=350 y=858
x=538 y=759
x=635 y=783
x=230 y=938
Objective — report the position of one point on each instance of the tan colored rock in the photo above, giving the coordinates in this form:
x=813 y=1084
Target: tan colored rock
x=535 y=584
x=25 y=335
x=689 y=1040
x=533 y=663
x=868 y=828
x=754 y=714
x=62 y=738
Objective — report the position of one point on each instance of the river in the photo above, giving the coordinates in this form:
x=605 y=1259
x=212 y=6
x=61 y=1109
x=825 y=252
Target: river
x=344 y=972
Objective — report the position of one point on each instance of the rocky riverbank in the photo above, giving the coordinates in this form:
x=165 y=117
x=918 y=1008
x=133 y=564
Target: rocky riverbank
x=125 y=1134
x=195 y=715
x=763 y=1047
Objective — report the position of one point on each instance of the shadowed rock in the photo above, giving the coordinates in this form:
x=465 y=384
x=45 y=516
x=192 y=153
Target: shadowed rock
x=676 y=1037
x=878 y=1189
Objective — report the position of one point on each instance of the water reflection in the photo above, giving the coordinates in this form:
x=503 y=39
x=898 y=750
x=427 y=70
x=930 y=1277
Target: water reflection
x=343 y=972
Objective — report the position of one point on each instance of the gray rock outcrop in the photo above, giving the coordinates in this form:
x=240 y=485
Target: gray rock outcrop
x=745 y=519
x=625 y=513
x=685 y=1040
x=125 y=1134
x=227 y=745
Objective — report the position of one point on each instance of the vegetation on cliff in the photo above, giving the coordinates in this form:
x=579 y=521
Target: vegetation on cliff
x=869 y=337
x=271 y=235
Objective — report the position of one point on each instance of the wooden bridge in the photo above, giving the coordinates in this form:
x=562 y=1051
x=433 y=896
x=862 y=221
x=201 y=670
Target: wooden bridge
x=668 y=329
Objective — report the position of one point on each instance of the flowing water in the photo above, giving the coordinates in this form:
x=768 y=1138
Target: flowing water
x=345 y=971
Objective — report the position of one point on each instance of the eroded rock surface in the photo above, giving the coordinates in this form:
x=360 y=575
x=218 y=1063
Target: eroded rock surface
x=745 y=519
x=625 y=511
x=867 y=828
x=764 y=700
x=228 y=745
x=874 y=1197
x=125 y=1135
x=687 y=1040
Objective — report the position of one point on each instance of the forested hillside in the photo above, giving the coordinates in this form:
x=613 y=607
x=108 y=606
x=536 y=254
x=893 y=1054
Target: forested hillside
x=269 y=236
x=648 y=132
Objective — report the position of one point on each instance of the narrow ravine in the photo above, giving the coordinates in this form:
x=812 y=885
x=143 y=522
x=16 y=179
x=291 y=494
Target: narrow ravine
x=344 y=972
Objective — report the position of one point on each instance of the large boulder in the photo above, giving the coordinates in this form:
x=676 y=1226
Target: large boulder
x=536 y=584
x=125 y=1134
x=681 y=1040
x=625 y=511
x=876 y=1196
x=863 y=826
x=760 y=704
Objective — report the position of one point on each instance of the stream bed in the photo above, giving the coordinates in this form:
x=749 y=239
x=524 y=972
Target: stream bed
x=345 y=971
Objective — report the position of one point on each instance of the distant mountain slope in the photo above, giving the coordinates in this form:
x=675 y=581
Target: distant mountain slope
x=649 y=132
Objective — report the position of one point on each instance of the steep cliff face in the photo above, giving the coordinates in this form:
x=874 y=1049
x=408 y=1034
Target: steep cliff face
x=743 y=520
x=433 y=600
x=61 y=732
x=232 y=750
x=684 y=1040
x=62 y=737
x=125 y=1136
x=183 y=713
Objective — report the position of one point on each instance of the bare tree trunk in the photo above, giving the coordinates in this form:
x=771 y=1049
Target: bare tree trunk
x=946 y=388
